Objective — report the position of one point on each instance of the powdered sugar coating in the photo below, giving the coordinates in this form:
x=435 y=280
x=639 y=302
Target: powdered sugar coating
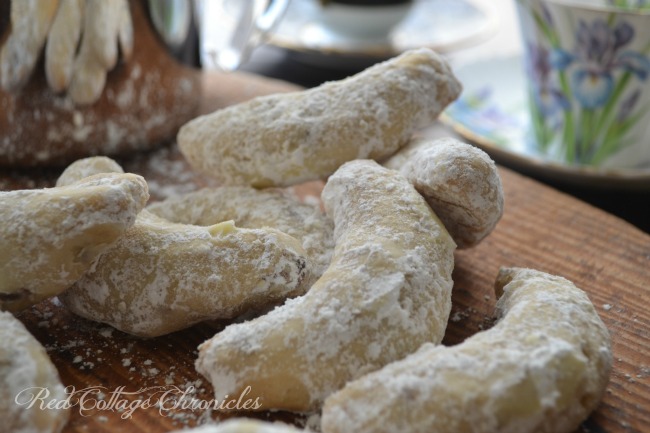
x=459 y=181
x=161 y=277
x=387 y=291
x=62 y=43
x=61 y=22
x=285 y=139
x=98 y=50
x=50 y=237
x=26 y=370
x=88 y=167
x=543 y=368
x=252 y=208
x=30 y=23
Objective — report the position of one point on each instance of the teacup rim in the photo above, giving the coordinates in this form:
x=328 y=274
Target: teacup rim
x=603 y=8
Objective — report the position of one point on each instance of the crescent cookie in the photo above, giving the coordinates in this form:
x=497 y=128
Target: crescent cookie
x=386 y=292
x=459 y=181
x=161 y=277
x=288 y=138
x=27 y=375
x=542 y=368
x=98 y=51
x=50 y=237
x=252 y=208
x=88 y=167
x=30 y=23
x=81 y=39
x=62 y=43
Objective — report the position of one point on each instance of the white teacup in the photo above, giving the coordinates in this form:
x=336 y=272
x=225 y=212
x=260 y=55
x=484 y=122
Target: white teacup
x=231 y=29
x=588 y=66
x=366 y=20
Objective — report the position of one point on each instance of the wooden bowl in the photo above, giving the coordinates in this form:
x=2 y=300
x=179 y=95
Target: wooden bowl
x=145 y=101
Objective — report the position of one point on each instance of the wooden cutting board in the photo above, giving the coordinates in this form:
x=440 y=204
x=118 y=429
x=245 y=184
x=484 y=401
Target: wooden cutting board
x=541 y=228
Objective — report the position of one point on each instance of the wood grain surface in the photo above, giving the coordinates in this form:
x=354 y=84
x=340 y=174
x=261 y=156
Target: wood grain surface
x=541 y=228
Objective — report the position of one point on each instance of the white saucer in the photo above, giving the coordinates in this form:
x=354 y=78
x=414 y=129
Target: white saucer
x=443 y=25
x=492 y=113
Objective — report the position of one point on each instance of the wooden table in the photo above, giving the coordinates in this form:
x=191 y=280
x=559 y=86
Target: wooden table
x=541 y=228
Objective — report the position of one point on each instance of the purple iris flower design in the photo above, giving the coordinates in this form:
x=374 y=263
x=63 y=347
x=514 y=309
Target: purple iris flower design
x=598 y=53
x=548 y=97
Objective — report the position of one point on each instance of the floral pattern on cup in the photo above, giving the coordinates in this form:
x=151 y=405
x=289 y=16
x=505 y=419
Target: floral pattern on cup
x=478 y=110
x=585 y=89
x=630 y=4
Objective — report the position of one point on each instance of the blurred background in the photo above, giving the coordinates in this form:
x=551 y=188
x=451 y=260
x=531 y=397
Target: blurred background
x=312 y=43
x=482 y=40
